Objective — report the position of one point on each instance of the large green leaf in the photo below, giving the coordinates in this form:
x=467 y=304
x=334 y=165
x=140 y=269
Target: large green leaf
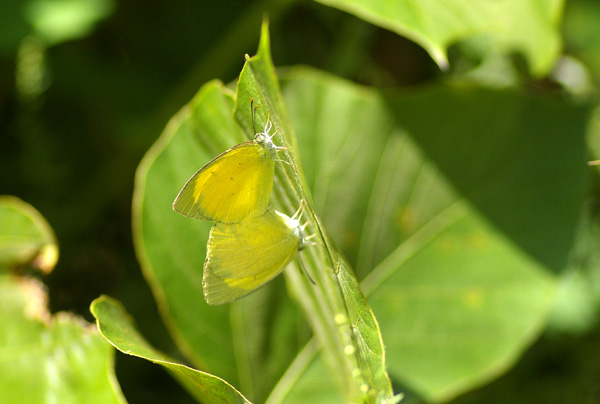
x=116 y=326
x=249 y=342
x=25 y=236
x=48 y=358
x=527 y=26
x=458 y=205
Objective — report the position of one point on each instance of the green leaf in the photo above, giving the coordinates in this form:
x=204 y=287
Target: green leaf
x=241 y=342
x=436 y=25
x=236 y=341
x=340 y=316
x=466 y=305
x=458 y=207
x=518 y=158
x=116 y=326
x=48 y=358
x=25 y=236
x=171 y=248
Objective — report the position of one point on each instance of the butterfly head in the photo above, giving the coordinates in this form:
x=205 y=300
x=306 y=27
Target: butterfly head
x=266 y=140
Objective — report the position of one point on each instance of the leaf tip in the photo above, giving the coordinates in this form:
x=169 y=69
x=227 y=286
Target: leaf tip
x=47 y=258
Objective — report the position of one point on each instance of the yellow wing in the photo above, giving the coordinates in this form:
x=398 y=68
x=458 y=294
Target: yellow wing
x=234 y=185
x=242 y=257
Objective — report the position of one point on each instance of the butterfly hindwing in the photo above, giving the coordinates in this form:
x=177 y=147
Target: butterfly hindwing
x=242 y=257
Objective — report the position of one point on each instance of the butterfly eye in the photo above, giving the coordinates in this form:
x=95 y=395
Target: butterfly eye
x=260 y=138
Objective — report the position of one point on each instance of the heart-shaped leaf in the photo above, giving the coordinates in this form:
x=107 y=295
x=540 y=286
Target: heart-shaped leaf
x=457 y=205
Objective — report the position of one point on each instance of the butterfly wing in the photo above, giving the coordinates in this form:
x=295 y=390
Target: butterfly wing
x=234 y=185
x=244 y=256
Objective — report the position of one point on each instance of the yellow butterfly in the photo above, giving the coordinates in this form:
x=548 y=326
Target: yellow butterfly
x=234 y=185
x=244 y=256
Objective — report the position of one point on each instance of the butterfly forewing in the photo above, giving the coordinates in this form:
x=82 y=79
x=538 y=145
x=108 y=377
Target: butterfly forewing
x=235 y=185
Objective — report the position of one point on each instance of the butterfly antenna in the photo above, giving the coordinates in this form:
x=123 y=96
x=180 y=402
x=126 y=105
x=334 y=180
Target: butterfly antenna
x=253 y=112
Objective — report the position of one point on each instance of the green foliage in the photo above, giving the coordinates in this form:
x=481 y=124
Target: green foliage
x=455 y=222
x=351 y=343
x=45 y=358
x=436 y=25
x=439 y=233
x=455 y=255
x=51 y=21
x=116 y=326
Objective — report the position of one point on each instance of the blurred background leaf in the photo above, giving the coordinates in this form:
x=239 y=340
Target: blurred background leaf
x=56 y=21
x=25 y=237
x=50 y=358
x=498 y=25
x=52 y=21
x=45 y=357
